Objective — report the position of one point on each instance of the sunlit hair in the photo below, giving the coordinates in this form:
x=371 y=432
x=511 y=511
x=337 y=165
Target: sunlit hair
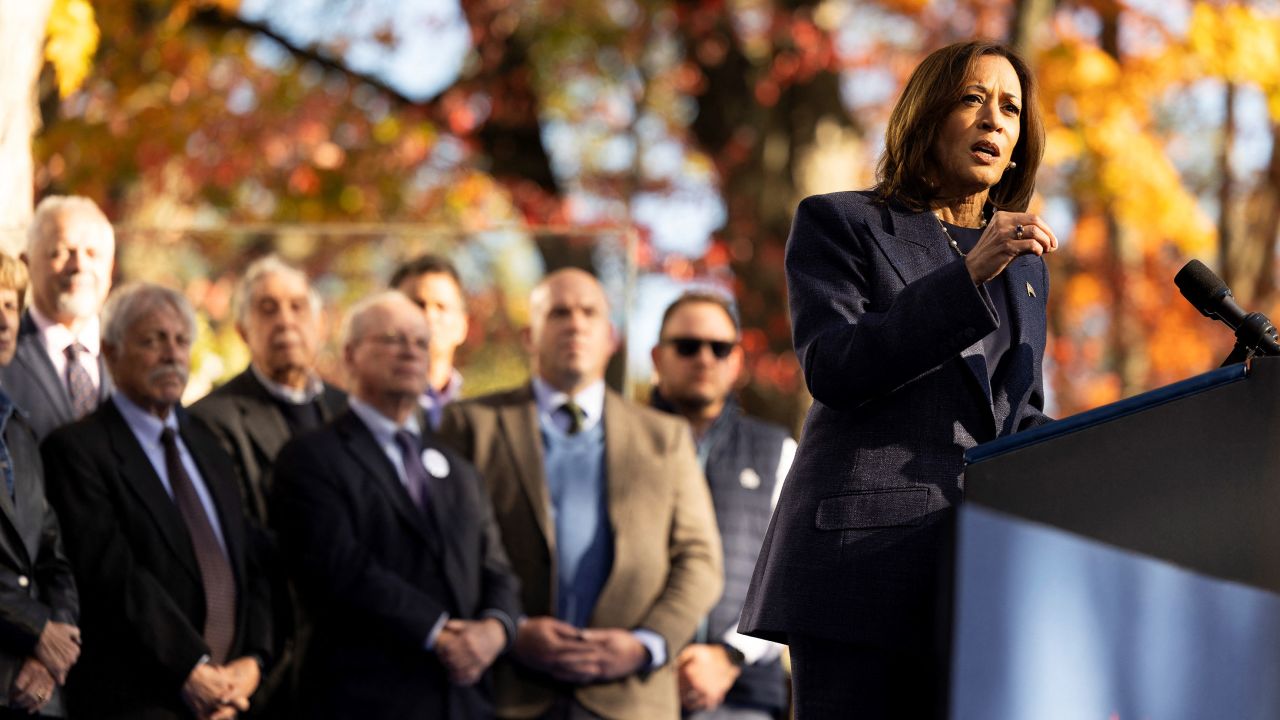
x=13 y=276
x=908 y=166
x=700 y=297
x=355 y=324
x=53 y=207
x=242 y=298
x=134 y=301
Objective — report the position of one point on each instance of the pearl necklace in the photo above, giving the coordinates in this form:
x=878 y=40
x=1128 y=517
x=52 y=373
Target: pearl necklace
x=955 y=245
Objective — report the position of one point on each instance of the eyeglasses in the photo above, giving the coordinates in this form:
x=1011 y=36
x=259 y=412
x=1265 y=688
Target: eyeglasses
x=688 y=347
x=420 y=344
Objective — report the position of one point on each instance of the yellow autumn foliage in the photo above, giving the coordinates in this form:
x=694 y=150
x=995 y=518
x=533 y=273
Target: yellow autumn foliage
x=71 y=40
x=1239 y=44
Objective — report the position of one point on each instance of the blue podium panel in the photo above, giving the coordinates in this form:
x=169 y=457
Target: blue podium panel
x=1052 y=625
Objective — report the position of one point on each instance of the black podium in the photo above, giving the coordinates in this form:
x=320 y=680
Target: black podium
x=1125 y=562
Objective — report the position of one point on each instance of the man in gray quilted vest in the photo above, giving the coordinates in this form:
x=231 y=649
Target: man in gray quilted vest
x=698 y=360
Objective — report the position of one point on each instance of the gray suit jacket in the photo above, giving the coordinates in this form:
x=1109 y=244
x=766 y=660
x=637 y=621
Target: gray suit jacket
x=35 y=386
x=252 y=429
x=887 y=324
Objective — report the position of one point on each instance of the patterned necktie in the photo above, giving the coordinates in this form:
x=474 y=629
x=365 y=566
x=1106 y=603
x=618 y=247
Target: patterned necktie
x=215 y=570
x=577 y=416
x=84 y=397
x=417 y=480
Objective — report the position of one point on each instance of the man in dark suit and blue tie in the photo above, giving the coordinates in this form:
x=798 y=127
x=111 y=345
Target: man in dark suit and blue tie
x=392 y=543
x=57 y=375
x=175 y=614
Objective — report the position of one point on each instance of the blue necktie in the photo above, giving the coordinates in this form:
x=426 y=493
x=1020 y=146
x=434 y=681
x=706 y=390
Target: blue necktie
x=416 y=479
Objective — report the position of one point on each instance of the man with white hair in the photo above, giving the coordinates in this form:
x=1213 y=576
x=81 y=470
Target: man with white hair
x=174 y=609
x=392 y=543
x=279 y=395
x=276 y=398
x=57 y=374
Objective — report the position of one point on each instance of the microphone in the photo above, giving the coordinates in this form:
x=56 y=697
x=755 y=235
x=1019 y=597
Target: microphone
x=1210 y=295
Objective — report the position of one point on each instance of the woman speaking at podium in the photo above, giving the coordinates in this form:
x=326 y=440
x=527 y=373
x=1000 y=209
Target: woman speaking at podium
x=918 y=315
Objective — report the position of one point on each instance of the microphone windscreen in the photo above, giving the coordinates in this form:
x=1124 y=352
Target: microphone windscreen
x=1200 y=285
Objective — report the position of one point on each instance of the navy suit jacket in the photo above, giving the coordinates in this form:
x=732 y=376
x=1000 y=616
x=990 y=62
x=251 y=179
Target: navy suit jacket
x=376 y=572
x=34 y=385
x=887 y=326
x=143 y=602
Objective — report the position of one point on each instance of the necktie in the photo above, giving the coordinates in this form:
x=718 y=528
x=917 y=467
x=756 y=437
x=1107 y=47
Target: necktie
x=84 y=397
x=577 y=416
x=417 y=480
x=215 y=569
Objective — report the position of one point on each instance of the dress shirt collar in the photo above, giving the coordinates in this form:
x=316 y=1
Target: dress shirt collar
x=383 y=428
x=293 y=396
x=432 y=397
x=57 y=337
x=590 y=399
x=145 y=426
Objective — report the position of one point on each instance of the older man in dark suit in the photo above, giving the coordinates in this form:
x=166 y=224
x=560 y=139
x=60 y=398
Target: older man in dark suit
x=176 y=617
x=606 y=516
x=392 y=543
x=57 y=374
x=39 y=640
x=277 y=397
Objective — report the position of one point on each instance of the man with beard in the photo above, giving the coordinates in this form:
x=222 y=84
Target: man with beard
x=174 y=610
x=39 y=640
x=276 y=398
x=57 y=374
x=724 y=675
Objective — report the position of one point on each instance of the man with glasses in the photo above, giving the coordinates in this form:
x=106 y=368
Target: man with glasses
x=724 y=675
x=392 y=544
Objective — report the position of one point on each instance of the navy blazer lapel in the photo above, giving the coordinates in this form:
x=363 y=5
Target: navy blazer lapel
x=364 y=448
x=140 y=476
x=446 y=508
x=915 y=245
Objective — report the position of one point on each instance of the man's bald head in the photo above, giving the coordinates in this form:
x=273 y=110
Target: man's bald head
x=569 y=338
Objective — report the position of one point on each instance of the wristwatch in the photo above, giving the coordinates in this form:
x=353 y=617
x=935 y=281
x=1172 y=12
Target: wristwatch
x=736 y=658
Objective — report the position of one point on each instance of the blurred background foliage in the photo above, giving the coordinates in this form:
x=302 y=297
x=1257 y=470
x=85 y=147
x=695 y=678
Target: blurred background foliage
x=674 y=138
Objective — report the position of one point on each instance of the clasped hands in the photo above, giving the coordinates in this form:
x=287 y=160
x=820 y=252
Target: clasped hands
x=57 y=649
x=579 y=656
x=467 y=648
x=218 y=692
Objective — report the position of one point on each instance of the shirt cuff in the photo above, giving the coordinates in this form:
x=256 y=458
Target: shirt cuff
x=655 y=644
x=754 y=650
x=432 y=636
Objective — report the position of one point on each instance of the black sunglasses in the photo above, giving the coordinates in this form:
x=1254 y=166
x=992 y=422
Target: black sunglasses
x=690 y=347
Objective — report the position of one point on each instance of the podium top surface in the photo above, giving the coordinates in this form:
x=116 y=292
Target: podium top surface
x=1107 y=413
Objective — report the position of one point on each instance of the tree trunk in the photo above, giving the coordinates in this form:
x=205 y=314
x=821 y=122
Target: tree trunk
x=22 y=27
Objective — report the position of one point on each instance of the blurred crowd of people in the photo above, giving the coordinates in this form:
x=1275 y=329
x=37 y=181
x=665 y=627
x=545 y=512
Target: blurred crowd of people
x=285 y=548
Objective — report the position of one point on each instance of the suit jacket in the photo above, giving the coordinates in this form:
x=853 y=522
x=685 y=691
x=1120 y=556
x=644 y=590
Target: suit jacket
x=36 y=582
x=248 y=421
x=667 y=561
x=376 y=572
x=34 y=385
x=143 y=610
x=887 y=324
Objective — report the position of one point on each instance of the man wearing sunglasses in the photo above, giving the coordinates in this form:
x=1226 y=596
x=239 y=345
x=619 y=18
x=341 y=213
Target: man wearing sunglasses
x=724 y=675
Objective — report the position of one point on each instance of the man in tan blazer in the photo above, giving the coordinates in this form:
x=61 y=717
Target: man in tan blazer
x=606 y=518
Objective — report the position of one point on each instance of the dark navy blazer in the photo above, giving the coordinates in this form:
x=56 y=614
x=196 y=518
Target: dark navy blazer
x=887 y=326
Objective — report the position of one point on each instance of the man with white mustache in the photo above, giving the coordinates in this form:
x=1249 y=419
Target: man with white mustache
x=175 y=609
x=57 y=374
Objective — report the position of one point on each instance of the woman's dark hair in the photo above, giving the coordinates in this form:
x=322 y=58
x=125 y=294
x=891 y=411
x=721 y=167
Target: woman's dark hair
x=932 y=93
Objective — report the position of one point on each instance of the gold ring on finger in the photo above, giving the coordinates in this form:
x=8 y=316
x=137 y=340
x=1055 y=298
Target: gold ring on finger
x=1017 y=232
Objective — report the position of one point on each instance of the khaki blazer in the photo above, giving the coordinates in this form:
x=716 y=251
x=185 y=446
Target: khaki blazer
x=667 y=557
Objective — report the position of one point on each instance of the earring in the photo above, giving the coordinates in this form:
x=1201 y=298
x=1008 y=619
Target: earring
x=1012 y=165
